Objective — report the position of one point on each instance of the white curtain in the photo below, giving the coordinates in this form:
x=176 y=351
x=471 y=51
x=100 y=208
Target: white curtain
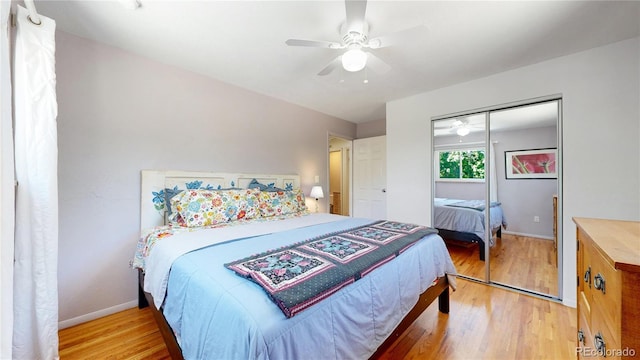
x=493 y=174
x=7 y=180
x=35 y=332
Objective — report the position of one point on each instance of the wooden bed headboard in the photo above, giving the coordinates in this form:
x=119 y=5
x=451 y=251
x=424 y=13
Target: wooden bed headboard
x=153 y=183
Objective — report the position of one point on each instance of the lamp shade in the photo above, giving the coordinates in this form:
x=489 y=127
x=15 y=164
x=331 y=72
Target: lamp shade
x=354 y=60
x=316 y=192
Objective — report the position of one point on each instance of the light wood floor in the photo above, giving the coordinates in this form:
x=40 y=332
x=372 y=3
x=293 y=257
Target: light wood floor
x=490 y=323
x=483 y=323
x=522 y=261
x=129 y=334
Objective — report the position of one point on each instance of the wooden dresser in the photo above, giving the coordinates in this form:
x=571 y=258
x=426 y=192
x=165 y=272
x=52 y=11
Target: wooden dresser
x=608 y=288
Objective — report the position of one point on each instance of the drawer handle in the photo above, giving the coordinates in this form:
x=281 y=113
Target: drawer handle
x=601 y=347
x=587 y=276
x=581 y=338
x=598 y=282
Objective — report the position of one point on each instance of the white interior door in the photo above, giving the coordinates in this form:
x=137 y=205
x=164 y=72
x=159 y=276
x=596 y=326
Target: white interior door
x=370 y=177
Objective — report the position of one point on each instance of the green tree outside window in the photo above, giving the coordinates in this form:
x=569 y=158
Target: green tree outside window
x=463 y=164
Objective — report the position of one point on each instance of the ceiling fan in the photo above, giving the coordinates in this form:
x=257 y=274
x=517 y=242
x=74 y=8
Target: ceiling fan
x=355 y=38
x=458 y=126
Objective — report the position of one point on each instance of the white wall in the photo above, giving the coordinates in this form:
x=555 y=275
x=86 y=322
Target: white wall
x=120 y=113
x=601 y=120
x=7 y=188
x=371 y=129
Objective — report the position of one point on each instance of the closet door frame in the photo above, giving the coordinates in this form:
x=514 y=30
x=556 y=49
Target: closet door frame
x=488 y=158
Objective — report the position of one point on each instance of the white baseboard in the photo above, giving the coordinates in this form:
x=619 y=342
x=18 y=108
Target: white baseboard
x=529 y=235
x=96 y=314
x=570 y=303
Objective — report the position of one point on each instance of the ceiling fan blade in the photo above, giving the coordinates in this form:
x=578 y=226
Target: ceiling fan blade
x=314 y=43
x=396 y=37
x=332 y=66
x=355 y=15
x=376 y=64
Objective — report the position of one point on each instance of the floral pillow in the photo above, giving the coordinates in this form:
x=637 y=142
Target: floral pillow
x=208 y=207
x=281 y=202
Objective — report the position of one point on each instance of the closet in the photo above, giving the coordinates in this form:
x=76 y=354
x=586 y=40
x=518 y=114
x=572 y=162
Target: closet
x=497 y=194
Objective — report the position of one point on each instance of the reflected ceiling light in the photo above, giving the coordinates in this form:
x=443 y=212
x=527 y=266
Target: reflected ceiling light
x=463 y=131
x=354 y=60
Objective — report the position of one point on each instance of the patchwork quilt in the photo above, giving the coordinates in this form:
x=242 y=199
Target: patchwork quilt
x=297 y=276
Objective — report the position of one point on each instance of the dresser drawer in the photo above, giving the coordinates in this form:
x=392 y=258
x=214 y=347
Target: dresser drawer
x=585 y=309
x=601 y=327
x=585 y=338
x=585 y=269
x=605 y=292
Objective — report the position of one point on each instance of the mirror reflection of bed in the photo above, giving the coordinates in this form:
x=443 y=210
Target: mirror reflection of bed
x=523 y=214
x=467 y=217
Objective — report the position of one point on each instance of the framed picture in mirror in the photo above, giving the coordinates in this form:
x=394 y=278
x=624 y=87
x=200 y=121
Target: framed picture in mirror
x=531 y=164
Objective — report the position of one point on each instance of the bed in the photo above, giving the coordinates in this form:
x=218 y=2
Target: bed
x=205 y=308
x=464 y=221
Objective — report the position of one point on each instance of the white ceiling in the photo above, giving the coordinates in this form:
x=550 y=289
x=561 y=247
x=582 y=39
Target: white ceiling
x=243 y=42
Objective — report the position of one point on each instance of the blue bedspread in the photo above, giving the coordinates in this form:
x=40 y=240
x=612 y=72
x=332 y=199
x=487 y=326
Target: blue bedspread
x=479 y=205
x=465 y=218
x=219 y=315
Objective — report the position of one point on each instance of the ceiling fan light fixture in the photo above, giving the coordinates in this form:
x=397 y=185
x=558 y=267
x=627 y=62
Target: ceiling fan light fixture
x=463 y=131
x=354 y=60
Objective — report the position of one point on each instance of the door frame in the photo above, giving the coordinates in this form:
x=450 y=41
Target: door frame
x=349 y=168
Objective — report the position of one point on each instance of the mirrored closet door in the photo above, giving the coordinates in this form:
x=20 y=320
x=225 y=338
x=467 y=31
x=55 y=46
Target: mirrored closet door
x=496 y=190
x=459 y=176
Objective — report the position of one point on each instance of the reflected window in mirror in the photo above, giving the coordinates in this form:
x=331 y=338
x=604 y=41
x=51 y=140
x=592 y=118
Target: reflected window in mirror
x=460 y=165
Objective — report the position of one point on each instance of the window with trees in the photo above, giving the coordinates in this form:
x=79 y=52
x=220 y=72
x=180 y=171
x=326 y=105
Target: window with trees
x=460 y=165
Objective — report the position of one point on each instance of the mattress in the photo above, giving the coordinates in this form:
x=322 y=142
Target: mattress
x=215 y=313
x=466 y=216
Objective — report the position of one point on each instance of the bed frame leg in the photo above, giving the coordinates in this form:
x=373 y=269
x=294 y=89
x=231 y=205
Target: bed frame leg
x=443 y=301
x=142 y=300
x=481 y=250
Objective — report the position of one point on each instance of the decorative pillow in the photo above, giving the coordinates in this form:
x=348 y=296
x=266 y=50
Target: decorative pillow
x=210 y=207
x=281 y=202
x=255 y=184
x=246 y=204
x=168 y=195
